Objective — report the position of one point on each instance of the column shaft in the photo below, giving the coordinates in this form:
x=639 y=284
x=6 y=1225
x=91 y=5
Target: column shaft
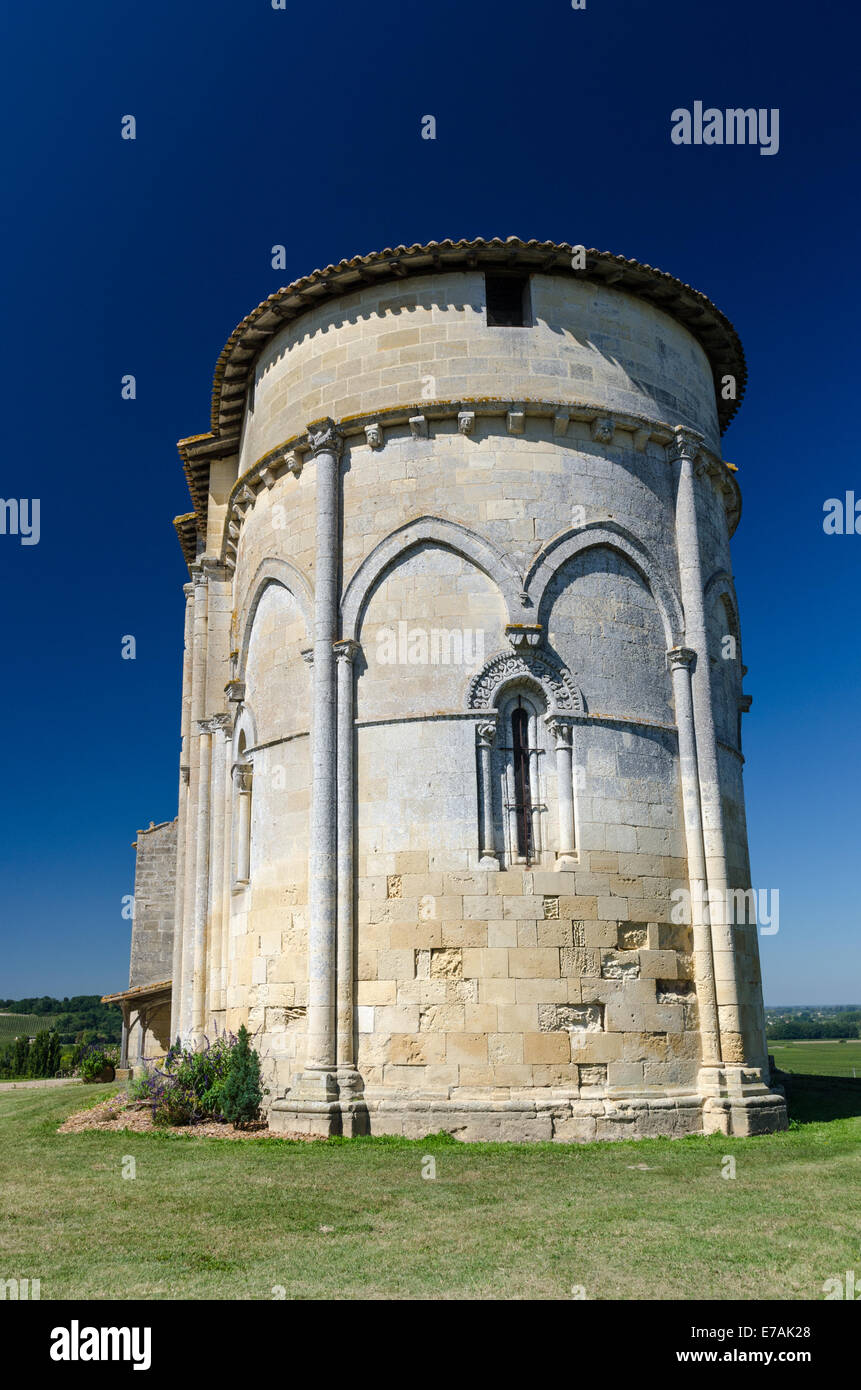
x=201 y=887
x=182 y=816
x=226 y=882
x=196 y=713
x=321 y=1050
x=714 y=835
x=680 y=663
x=486 y=734
x=563 y=734
x=220 y=749
x=346 y=945
x=243 y=779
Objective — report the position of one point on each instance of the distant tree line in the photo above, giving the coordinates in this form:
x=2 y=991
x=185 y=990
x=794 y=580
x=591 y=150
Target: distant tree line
x=75 y=1017
x=840 y=1025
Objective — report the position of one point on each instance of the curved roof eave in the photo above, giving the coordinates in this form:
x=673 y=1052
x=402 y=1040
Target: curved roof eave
x=692 y=309
x=688 y=306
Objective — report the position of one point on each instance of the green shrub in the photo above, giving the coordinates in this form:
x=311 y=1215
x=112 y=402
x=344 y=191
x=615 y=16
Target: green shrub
x=94 y=1064
x=220 y=1081
x=186 y=1090
x=241 y=1094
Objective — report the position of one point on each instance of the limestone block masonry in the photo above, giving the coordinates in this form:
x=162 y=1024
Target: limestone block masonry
x=460 y=725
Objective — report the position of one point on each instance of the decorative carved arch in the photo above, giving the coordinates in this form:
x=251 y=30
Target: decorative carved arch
x=432 y=530
x=272 y=571
x=538 y=669
x=612 y=536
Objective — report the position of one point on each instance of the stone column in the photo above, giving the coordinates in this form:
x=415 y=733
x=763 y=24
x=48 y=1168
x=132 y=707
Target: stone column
x=196 y=714
x=124 y=1042
x=325 y=444
x=220 y=726
x=686 y=453
x=349 y=1080
x=563 y=733
x=182 y=817
x=681 y=660
x=226 y=880
x=243 y=781
x=486 y=733
x=201 y=884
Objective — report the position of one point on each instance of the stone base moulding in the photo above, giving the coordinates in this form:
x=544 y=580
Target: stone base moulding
x=348 y=1118
x=565 y=1120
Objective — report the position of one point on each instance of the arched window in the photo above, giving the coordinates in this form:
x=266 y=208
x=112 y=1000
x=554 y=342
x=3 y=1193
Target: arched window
x=526 y=794
x=522 y=752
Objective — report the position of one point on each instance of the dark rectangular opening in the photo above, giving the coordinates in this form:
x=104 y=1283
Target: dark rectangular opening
x=507 y=301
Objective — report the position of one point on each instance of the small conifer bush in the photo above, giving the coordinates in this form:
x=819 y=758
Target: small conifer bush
x=241 y=1093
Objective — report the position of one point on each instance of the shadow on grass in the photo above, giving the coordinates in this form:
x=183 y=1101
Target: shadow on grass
x=814 y=1098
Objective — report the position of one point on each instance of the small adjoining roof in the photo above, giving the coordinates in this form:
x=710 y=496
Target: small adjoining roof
x=137 y=992
x=688 y=306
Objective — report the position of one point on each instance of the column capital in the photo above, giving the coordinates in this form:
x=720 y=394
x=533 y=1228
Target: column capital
x=324 y=437
x=235 y=691
x=486 y=732
x=346 y=650
x=686 y=444
x=681 y=657
x=242 y=776
x=214 y=724
x=562 y=729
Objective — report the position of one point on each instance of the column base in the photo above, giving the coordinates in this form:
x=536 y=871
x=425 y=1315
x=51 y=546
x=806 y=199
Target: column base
x=322 y=1103
x=741 y=1100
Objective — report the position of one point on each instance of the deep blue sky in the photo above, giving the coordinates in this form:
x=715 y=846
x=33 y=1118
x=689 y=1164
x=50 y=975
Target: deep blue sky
x=302 y=127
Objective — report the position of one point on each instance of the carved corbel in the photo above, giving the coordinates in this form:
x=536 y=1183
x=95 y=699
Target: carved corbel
x=603 y=429
x=523 y=635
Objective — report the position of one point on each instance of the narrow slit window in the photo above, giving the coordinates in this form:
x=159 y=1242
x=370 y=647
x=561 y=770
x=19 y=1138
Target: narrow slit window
x=507 y=298
x=522 y=788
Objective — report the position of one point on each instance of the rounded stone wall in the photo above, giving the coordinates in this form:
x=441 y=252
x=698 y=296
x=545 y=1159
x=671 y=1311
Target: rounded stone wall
x=455 y=580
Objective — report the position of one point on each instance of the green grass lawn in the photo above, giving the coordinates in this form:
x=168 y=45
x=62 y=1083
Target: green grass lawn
x=214 y=1218
x=827 y=1058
